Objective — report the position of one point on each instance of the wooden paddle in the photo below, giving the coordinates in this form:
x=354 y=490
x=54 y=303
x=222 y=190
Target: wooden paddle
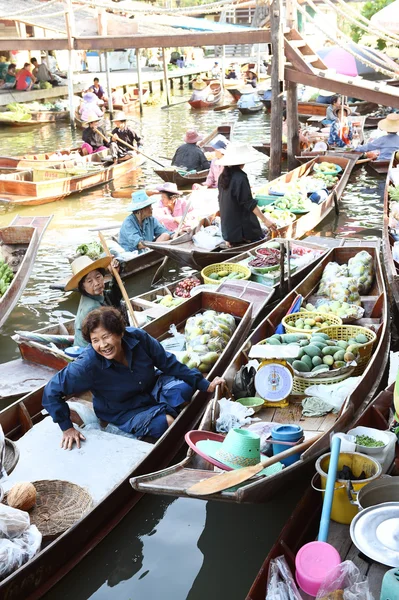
x=119 y=281
x=175 y=104
x=225 y=107
x=218 y=483
x=159 y=272
x=128 y=146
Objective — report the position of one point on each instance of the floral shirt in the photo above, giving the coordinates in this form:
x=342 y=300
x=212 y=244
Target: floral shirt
x=335 y=135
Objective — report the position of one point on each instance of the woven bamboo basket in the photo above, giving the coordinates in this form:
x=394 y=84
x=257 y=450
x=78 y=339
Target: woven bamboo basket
x=301 y=384
x=346 y=332
x=11 y=456
x=230 y=267
x=309 y=315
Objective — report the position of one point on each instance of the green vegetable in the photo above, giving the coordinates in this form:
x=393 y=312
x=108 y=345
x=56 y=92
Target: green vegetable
x=93 y=250
x=369 y=442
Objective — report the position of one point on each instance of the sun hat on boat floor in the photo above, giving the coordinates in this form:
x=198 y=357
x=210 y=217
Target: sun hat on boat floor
x=240 y=448
x=11 y=456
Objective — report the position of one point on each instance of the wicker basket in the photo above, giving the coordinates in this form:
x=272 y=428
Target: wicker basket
x=309 y=315
x=11 y=456
x=301 y=384
x=346 y=332
x=230 y=267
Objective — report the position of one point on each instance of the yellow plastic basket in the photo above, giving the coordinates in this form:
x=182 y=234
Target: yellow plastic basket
x=309 y=315
x=230 y=267
x=301 y=384
x=346 y=332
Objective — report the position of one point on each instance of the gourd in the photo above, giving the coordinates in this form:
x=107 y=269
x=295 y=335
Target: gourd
x=22 y=496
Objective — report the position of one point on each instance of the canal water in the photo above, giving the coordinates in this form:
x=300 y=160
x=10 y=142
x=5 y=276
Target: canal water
x=165 y=548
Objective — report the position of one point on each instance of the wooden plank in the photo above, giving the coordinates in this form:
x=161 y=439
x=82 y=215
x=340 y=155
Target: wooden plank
x=276 y=127
x=293 y=146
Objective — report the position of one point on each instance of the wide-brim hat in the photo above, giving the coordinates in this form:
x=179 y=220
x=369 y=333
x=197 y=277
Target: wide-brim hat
x=199 y=84
x=92 y=119
x=169 y=187
x=90 y=97
x=140 y=200
x=240 y=448
x=83 y=265
x=344 y=107
x=119 y=116
x=248 y=89
x=192 y=136
x=240 y=154
x=390 y=124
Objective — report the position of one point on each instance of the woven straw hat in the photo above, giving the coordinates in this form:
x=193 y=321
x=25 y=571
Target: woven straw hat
x=390 y=124
x=344 y=107
x=240 y=154
x=248 y=89
x=92 y=119
x=199 y=84
x=83 y=265
x=119 y=116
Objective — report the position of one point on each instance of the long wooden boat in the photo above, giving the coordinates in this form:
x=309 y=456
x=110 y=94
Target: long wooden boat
x=378 y=167
x=32 y=187
x=130 y=100
x=251 y=110
x=176 y=479
x=234 y=91
x=303 y=525
x=311 y=109
x=40 y=117
x=214 y=93
x=391 y=266
x=184 y=251
x=66 y=157
x=172 y=173
x=37 y=576
x=19 y=243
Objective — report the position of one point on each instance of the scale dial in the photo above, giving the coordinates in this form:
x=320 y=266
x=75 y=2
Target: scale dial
x=274 y=380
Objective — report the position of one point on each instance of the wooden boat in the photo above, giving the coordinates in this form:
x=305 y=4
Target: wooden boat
x=57 y=558
x=130 y=99
x=184 y=251
x=311 y=109
x=176 y=479
x=32 y=187
x=378 y=167
x=251 y=110
x=40 y=117
x=66 y=157
x=212 y=96
x=19 y=243
x=391 y=266
x=303 y=525
x=173 y=175
x=234 y=91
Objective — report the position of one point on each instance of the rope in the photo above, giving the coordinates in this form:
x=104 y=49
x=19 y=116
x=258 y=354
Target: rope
x=37 y=7
x=203 y=9
x=306 y=15
x=382 y=33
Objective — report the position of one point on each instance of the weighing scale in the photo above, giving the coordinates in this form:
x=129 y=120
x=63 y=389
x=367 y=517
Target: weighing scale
x=274 y=379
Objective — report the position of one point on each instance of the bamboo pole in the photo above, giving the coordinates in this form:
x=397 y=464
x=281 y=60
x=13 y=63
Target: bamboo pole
x=165 y=75
x=109 y=88
x=223 y=75
x=140 y=84
x=293 y=146
x=277 y=76
x=69 y=22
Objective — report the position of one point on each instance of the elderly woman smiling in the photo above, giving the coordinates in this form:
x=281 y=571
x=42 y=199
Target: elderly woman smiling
x=136 y=385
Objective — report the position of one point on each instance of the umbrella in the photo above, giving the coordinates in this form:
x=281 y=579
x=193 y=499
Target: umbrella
x=346 y=64
x=387 y=18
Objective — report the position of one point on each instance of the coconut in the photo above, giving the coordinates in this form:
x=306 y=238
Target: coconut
x=22 y=496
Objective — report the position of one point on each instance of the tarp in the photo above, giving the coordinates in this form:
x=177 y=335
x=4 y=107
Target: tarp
x=387 y=18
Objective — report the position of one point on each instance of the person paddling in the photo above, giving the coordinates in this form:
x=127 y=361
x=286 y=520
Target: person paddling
x=124 y=132
x=92 y=136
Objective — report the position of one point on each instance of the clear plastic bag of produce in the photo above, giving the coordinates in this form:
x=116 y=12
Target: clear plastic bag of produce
x=346 y=579
x=176 y=343
x=17 y=551
x=2 y=453
x=330 y=274
x=280 y=582
x=361 y=267
x=344 y=289
x=207 y=335
x=13 y=522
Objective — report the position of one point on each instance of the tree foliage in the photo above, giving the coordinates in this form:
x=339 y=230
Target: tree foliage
x=368 y=10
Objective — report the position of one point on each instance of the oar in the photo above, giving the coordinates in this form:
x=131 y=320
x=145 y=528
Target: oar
x=119 y=281
x=218 y=483
x=129 y=146
x=175 y=104
x=159 y=272
x=225 y=107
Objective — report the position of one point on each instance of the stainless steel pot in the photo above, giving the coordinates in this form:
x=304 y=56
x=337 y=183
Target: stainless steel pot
x=384 y=489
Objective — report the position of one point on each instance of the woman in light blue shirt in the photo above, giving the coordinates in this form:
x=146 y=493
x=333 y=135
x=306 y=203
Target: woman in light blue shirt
x=141 y=226
x=386 y=145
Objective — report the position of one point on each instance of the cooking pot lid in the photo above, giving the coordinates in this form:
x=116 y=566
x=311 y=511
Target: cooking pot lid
x=375 y=531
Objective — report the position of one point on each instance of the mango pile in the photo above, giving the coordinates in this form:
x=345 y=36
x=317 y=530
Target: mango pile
x=319 y=353
x=223 y=275
x=6 y=277
x=341 y=309
x=310 y=322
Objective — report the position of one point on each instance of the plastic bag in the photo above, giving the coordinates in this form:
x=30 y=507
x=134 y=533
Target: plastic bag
x=13 y=522
x=232 y=415
x=330 y=274
x=16 y=552
x=176 y=343
x=280 y=582
x=2 y=453
x=345 y=289
x=345 y=577
x=334 y=394
x=361 y=267
x=207 y=239
x=207 y=334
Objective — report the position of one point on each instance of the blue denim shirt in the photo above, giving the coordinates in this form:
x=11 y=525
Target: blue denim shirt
x=120 y=393
x=131 y=232
x=386 y=144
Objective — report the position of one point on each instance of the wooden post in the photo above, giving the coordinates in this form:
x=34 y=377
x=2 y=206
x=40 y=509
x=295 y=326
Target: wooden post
x=291 y=14
x=258 y=63
x=277 y=77
x=293 y=146
x=69 y=20
x=165 y=75
x=109 y=88
x=138 y=56
x=223 y=75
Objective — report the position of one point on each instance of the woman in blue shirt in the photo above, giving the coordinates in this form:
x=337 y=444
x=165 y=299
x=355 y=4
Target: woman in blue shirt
x=385 y=145
x=141 y=226
x=136 y=385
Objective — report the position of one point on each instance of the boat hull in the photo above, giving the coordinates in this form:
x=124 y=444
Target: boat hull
x=252 y=110
x=216 y=90
x=38 y=118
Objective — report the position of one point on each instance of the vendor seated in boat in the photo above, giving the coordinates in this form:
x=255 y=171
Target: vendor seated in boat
x=251 y=79
x=141 y=226
x=219 y=144
x=189 y=156
x=331 y=116
x=136 y=385
x=92 y=136
x=341 y=133
x=89 y=278
x=384 y=145
x=124 y=132
x=200 y=91
x=249 y=97
x=231 y=73
x=239 y=212
x=89 y=106
x=171 y=207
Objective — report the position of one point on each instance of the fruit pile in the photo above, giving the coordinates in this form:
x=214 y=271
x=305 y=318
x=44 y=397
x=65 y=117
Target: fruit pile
x=169 y=302
x=325 y=166
x=341 y=309
x=263 y=261
x=184 y=288
x=294 y=201
x=328 y=179
x=222 y=275
x=345 y=283
x=6 y=277
x=281 y=218
x=309 y=322
x=319 y=353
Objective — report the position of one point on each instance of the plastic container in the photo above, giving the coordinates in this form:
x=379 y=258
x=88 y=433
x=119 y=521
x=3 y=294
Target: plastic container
x=252 y=402
x=74 y=351
x=286 y=433
x=342 y=510
x=376 y=434
x=312 y=562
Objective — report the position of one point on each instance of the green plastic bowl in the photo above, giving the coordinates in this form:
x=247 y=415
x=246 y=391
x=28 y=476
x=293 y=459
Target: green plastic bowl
x=255 y=403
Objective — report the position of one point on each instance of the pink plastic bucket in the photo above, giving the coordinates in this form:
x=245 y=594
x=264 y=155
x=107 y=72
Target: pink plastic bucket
x=312 y=563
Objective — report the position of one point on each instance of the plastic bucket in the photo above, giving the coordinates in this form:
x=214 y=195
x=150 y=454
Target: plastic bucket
x=290 y=434
x=342 y=510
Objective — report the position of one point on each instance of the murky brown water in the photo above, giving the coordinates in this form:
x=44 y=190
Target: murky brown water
x=166 y=548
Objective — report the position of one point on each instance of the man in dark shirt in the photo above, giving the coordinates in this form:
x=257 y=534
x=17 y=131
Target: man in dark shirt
x=92 y=141
x=124 y=132
x=97 y=89
x=189 y=156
